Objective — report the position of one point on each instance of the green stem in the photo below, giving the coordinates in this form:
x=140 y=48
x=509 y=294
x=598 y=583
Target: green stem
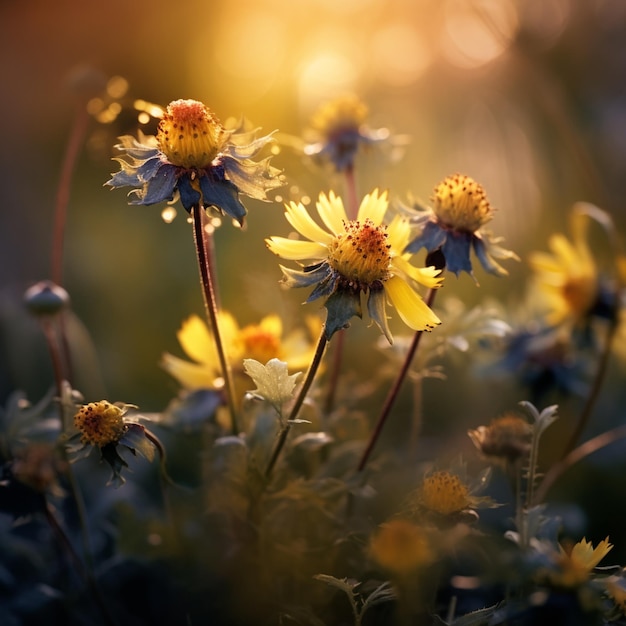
x=306 y=385
x=395 y=389
x=333 y=379
x=594 y=392
x=210 y=304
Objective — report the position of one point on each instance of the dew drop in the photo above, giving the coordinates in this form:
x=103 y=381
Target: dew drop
x=168 y=214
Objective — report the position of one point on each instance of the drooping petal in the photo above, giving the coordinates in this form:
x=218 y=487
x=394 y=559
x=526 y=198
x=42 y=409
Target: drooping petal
x=159 y=188
x=430 y=277
x=299 y=218
x=341 y=306
x=296 y=250
x=197 y=342
x=223 y=195
x=411 y=308
x=486 y=260
x=456 y=251
x=373 y=207
x=306 y=277
x=332 y=212
x=431 y=238
x=377 y=310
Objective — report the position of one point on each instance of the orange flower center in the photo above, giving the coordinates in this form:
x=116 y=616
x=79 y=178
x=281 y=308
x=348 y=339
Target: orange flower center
x=461 y=203
x=189 y=135
x=444 y=493
x=260 y=344
x=361 y=254
x=100 y=423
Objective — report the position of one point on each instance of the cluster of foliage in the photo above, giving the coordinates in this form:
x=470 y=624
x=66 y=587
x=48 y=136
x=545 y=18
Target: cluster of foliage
x=265 y=491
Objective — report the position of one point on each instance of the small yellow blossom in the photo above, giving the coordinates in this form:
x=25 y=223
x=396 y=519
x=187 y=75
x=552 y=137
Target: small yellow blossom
x=100 y=423
x=575 y=563
x=444 y=493
x=401 y=547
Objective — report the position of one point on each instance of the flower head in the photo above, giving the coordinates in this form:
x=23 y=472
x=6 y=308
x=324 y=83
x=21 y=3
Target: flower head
x=261 y=342
x=566 y=280
x=103 y=425
x=507 y=438
x=193 y=157
x=339 y=129
x=401 y=547
x=454 y=224
x=444 y=493
x=575 y=563
x=353 y=257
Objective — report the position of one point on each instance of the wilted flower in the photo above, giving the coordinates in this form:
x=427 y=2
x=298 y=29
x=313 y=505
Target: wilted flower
x=454 y=224
x=339 y=129
x=261 y=342
x=401 y=547
x=195 y=158
x=353 y=257
x=507 y=438
x=38 y=465
x=103 y=425
x=445 y=493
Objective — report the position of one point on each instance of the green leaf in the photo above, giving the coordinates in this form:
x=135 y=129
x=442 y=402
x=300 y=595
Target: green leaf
x=273 y=382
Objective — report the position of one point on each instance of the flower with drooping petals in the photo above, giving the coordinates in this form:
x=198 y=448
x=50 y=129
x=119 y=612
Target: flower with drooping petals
x=454 y=224
x=508 y=437
x=356 y=256
x=193 y=157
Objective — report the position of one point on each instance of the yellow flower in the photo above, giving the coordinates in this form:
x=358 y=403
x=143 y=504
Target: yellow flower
x=576 y=563
x=566 y=279
x=261 y=342
x=401 y=547
x=444 y=493
x=356 y=256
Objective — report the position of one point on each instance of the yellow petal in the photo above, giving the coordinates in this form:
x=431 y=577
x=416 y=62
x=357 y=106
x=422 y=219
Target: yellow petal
x=373 y=207
x=197 y=342
x=189 y=375
x=300 y=219
x=330 y=209
x=430 y=277
x=411 y=308
x=398 y=234
x=272 y=324
x=294 y=250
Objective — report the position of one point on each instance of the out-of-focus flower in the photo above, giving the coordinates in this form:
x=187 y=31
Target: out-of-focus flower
x=454 y=225
x=195 y=158
x=39 y=465
x=104 y=426
x=353 y=257
x=567 y=284
x=338 y=129
x=261 y=342
x=507 y=438
x=401 y=547
x=445 y=494
x=574 y=564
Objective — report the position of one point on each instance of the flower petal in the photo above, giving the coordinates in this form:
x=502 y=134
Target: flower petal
x=430 y=277
x=373 y=207
x=341 y=306
x=295 y=250
x=377 y=309
x=431 y=238
x=411 y=308
x=330 y=209
x=189 y=375
x=300 y=219
x=197 y=342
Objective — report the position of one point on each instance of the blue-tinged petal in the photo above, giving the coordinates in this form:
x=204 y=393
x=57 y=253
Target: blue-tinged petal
x=486 y=260
x=325 y=287
x=223 y=195
x=341 y=306
x=252 y=178
x=149 y=168
x=456 y=251
x=189 y=195
x=304 y=278
x=431 y=238
x=377 y=310
x=160 y=187
x=126 y=177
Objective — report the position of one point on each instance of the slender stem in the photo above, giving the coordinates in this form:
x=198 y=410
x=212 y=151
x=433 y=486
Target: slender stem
x=395 y=389
x=601 y=370
x=335 y=371
x=72 y=151
x=210 y=304
x=306 y=385
x=55 y=354
x=353 y=201
x=576 y=455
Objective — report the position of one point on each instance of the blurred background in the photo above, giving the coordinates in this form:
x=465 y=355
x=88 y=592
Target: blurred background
x=526 y=96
